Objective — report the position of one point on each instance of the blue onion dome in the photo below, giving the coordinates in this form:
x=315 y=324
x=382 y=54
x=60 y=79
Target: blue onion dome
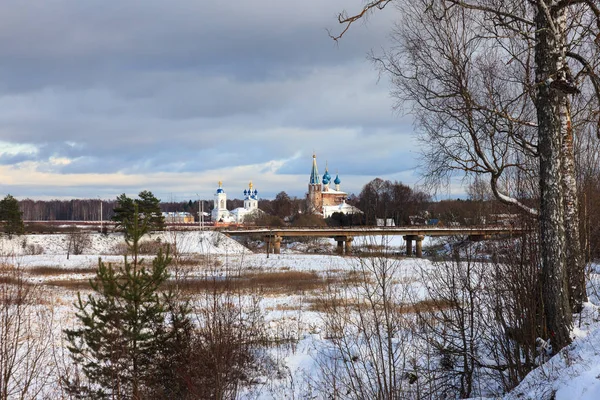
x=255 y=192
x=220 y=189
x=245 y=192
x=337 y=180
x=326 y=177
x=325 y=181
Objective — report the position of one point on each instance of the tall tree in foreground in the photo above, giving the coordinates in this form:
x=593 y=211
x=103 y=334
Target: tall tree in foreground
x=493 y=84
x=11 y=216
x=121 y=324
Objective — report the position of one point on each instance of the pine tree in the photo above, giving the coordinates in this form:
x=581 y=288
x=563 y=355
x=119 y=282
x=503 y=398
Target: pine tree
x=148 y=210
x=150 y=206
x=11 y=217
x=122 y=324
x=124 y=210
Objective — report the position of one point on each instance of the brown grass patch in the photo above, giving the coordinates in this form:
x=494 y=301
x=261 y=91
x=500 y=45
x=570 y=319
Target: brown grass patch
x=269 y=283
x=147 y=247
x=70 y=284
x=13 y=280
x=6 y=268
x=195 y=260
x=285 y=307
x=266 y=282
x=52 y=271
x=328 y=305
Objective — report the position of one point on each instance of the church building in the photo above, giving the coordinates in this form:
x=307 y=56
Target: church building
x=324 y=200
x=221 y=214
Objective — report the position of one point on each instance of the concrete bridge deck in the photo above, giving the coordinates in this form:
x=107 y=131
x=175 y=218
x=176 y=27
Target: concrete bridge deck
x=345 y=235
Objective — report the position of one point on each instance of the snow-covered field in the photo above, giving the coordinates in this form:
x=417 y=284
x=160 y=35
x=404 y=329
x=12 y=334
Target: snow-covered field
x=572 y=374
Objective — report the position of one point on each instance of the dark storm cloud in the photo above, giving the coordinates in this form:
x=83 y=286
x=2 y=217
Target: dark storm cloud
x=143 y=87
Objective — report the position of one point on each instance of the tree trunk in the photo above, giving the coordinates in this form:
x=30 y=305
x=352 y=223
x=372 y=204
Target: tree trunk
x=549 y=58
x=576 y=263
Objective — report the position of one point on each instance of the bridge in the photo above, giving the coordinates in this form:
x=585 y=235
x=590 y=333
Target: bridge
x=345 y=235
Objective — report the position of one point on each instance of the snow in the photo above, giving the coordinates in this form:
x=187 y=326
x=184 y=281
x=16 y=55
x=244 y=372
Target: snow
x=201 y=242
x=572 y=374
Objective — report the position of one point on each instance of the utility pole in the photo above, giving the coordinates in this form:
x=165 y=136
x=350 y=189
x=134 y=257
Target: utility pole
x=101 y=217
x=200 y=212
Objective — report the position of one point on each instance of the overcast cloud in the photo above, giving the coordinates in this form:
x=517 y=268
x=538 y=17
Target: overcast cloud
x=98 y=98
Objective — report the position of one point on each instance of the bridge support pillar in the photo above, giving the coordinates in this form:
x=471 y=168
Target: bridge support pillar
x=340 y=245
x=348 y=247
x=344 y=244
x=418 y=245
x=273 y=244
x=408 y=240
x=277 y=245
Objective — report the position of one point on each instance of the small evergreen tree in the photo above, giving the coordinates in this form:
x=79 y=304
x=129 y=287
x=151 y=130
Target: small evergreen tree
x=123 y=210
x=148 y=207
x=122 y=324
x=11 y=216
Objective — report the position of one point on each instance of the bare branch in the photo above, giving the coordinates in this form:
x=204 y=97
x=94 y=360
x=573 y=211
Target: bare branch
x=478 y=7
x=348 y=20
x=593 y=77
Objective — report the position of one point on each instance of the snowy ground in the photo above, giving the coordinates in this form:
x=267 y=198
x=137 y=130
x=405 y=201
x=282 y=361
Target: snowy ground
x=573 y=374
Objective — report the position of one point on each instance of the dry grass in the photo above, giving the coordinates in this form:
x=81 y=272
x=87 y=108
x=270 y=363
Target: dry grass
x=337 y=304
x=266 y=282
x=53 y=271
x=285 y=307
x=328 y=305
x=148 y=247
x=196 y=260
x=13 y=280
x=70 y=284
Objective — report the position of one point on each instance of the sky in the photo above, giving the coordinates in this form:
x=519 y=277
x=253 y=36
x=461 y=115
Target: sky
x=103 y=97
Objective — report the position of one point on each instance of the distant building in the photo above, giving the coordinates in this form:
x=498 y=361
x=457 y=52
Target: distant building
x=178 y=217
x=220 y=213
x=385 y=222
x=321 y=199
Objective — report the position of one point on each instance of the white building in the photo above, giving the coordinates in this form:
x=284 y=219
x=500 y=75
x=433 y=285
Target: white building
x=220 y=213
x=237 y=216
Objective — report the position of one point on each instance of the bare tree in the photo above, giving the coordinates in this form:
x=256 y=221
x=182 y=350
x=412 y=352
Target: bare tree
x=513 y=302
x=367 y=330
x=491 y=83
x=454 y=323
x=25 y=336
x=78 y=241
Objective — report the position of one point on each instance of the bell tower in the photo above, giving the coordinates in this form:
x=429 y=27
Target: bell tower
x=314 y=198
x=220 y=204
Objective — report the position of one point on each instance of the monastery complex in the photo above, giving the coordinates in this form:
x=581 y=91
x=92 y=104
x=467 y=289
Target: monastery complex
x=321 y=199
